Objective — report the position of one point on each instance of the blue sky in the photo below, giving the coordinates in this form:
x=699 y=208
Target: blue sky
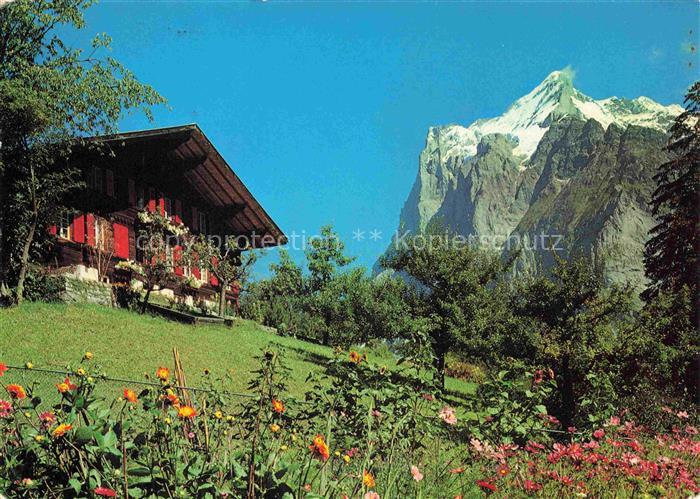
x=322 y=107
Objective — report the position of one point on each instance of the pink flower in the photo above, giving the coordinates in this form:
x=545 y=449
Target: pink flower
x=614 y=421
x=417 y=475
x=531 y=486
x=5 y=409
x=371 y=495
x=571 y=429
x=105 y=492
x=447 y=414
x=682 y=415
x=598 y=434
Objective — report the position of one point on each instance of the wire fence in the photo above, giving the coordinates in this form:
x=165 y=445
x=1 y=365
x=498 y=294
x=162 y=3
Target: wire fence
x=31 y=371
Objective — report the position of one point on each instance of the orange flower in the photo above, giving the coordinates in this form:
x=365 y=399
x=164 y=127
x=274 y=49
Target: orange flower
x=3 y=368
x=61 y=430
x=186 y=412
x=319 y=448
x=355 y=357
x=130 y=395
x=66 y=386
x=277 y=406
x=173 y=399
x=368 y=479
x=16 y=391
x=163 y=373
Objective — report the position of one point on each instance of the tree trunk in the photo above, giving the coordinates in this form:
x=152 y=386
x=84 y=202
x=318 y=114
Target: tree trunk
x=568 y=400
x=440 y=351
x=222 y=297
x=24 y=260
x=144 y=303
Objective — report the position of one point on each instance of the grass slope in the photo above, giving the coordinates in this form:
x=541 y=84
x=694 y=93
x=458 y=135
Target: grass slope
x=129 y=345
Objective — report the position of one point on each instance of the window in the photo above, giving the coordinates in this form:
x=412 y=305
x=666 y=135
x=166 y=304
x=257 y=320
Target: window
x=202 y=223
x=204 y=274
x=64 y=224
x=141 y=198
x=168 y=204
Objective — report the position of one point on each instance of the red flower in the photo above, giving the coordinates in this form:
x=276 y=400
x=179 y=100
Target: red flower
x=486 y=486
x=503 y=470
x=598 y=434
x=531 y=486
x=105 y=492
x=16 y=391
x=3 y=368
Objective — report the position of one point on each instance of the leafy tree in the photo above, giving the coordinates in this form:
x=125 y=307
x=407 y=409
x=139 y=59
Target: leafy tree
x=226 y=261
x=157 y=237
x=287 y=277
x=660 y=355
x=456 y=283
x=672 y=254
x=575 y=323
x=324 y=257
x=51 y=95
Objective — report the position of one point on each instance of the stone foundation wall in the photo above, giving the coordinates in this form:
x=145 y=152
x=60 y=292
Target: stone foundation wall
x=83 y=291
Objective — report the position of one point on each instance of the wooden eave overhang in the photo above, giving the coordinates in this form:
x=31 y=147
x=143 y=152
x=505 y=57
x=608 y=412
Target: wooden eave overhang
x=211 y=177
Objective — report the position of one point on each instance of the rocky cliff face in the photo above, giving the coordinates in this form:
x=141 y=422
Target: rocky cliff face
x=556 y=169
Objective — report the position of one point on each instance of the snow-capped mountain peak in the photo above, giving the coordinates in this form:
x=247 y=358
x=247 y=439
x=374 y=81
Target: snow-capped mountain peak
x=529 y=117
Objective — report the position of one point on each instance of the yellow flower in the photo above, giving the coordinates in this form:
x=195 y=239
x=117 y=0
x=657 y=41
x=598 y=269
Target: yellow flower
x=294 y=438
x=230 y=419
x=186 y=412
x=274 y=427
x=61 y=430
x=163 y=373
x=346 y=458
x=27 y=414
x=336 y=453
x=168 y=421
x=368 y=479
x=80 y=372
x=39 y=438
x=218 y=415
x=29 y=365
x=283 y=447
x=87 y=356
x=90 y=379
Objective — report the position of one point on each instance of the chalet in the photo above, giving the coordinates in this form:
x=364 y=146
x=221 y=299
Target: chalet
x=175 y=171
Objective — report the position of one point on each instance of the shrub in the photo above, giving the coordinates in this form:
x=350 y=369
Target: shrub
x=465 y=371
x=41 y=285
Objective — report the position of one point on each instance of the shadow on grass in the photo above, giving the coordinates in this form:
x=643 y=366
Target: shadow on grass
x=304 y=355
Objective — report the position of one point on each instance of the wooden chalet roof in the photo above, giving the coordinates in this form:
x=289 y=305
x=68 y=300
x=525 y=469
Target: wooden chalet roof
x=211 y=177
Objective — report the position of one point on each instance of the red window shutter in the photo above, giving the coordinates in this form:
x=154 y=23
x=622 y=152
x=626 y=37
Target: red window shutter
x=196 y=272
x=151 y=201
x=195 y=218
x=161 y=204
x=178 y=211
x=90 y=223
x=177 y=256
x=132 y=192
x=78 y=228
x=52 y=230
x=121 y=241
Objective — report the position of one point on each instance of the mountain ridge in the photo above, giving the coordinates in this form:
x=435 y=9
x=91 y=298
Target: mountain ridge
x=509 y=175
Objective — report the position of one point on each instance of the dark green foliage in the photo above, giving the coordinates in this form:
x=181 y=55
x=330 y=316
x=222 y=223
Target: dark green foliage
x=672 y=254
x=660 y=354
x=43 y=286
x=574 y=328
